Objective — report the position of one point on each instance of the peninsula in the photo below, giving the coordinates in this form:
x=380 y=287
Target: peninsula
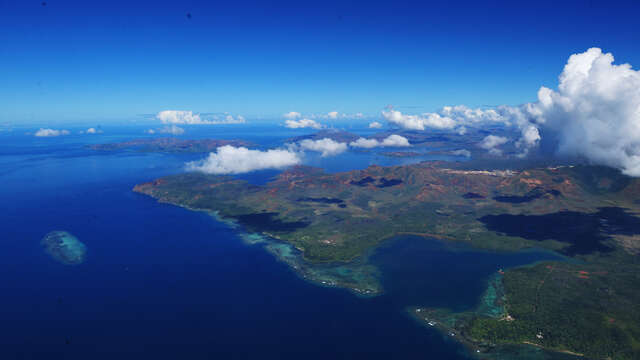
x=587 y=305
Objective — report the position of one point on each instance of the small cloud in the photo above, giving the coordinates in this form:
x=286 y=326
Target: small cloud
x=333 y=115
x=237 y=160
x=389 y=141
x=292 y=115
x=191 y=118
x=461 y=152
x=326 y=146
x=418 y=122
x=93 y=131
x=375 y=125
x=365 y=143
x=231 y=120
x=173 y=130
x=150 y=131
x=491 y=143
x=396 y=141
x=178 y=117
x=303 y=123
x=51 y=132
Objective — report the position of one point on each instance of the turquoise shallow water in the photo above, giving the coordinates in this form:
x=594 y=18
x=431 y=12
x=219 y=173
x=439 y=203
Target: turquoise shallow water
x=64 y=248
x=163 y=282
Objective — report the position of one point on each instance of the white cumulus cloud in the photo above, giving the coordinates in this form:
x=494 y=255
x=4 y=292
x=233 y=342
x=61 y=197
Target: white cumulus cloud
x=51 y=132
x=595 y=112
x=461 y=152
x=236 y=160
x=448 y=118
x=326 y=146
x=303 y=123
x=395 y=140
x=173 y=130
x=229 y=119
x=375 y=125
x=418 y=122
x=365 y=143
x=491 y=143
x=178 y=117
x=191 y=118
x=92 y=131
x=389 y=141
x=292 y=115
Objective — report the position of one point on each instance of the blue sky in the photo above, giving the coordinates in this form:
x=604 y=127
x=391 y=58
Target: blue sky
x=70 y=61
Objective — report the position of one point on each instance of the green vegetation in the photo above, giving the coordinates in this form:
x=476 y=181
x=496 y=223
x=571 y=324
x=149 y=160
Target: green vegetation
x=584 y=308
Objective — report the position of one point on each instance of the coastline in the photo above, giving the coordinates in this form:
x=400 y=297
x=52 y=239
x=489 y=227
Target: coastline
x=356 y=275
x=455 y=325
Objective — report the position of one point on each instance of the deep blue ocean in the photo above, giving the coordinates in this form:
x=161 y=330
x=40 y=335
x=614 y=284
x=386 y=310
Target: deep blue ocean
x=162 y=282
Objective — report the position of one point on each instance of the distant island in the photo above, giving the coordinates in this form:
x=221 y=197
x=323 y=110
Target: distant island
x=401 y=154
x=169 y=144
x=587 y=305
x=333 y=134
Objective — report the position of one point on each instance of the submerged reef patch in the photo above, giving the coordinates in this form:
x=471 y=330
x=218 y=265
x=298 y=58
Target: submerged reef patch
x=357 y=276
x=64 y=248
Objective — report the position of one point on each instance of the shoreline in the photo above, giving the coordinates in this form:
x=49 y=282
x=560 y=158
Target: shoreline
x=454 y=324
x=319 y=273
x=326 y=274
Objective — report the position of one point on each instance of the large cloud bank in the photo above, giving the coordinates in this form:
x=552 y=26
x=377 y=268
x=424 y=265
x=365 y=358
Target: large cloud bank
x=236 y=160
x=594 y=113
x=191 y=118
x=389 y=141
x=303 y=123
x=50 y=132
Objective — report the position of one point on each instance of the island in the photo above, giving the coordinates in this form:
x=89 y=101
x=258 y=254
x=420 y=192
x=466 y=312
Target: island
x=169 y=144
x=333 y=134
x=586 y=305
x=401 y=154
